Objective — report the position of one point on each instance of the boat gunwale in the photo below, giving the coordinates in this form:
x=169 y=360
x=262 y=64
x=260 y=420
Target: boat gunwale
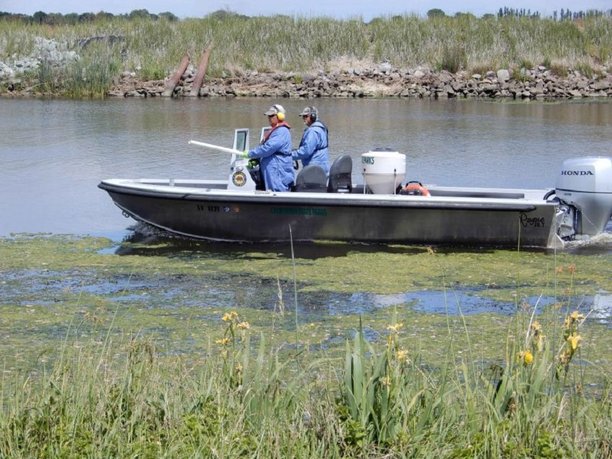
x=130 y=187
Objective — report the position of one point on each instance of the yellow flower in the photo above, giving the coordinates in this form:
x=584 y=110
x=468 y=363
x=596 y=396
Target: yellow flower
x=571 y=268
x=402 y=355
x=395 y=327
x=576 y=316
x=574 y=341
x=572 y=319
x=565 y=358
x=229 y=316
x=536 y=327
x=223 y=341
x=526 y=357
x=385 y=381
x=244 y=325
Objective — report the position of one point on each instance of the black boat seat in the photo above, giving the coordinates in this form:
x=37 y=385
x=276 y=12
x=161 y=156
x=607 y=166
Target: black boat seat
x=312 y=179
x=340 y=179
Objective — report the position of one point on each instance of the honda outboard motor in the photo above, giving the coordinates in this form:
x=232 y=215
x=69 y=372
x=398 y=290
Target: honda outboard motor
x=584 y=186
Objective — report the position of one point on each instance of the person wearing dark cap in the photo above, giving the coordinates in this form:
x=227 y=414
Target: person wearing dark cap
x=313 y=147
x=274 y=152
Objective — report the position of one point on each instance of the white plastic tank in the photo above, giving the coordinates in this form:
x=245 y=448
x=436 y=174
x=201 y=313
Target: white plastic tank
x=383 y=170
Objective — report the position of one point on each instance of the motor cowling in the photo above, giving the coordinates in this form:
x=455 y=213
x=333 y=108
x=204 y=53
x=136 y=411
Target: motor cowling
x=586 y=185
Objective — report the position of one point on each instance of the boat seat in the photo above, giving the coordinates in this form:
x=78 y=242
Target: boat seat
x=340 y=179
x=312 y=179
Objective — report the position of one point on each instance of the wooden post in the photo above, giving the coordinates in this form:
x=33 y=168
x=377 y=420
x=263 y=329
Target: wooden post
x=173 y=81
x=199 y=78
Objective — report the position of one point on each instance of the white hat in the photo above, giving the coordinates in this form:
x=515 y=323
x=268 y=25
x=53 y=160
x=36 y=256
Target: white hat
x=275 y=110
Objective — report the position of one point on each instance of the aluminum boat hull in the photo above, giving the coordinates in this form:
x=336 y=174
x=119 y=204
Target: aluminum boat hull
x=455 y=216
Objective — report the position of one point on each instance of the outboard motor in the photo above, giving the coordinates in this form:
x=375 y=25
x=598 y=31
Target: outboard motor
x=584 y=187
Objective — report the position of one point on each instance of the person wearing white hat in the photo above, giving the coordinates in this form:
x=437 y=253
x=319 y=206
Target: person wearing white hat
x=274 y=152
x=314 y=145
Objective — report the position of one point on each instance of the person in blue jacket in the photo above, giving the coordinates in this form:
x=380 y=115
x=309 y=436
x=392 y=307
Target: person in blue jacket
x=274 y=152
x=314 y=145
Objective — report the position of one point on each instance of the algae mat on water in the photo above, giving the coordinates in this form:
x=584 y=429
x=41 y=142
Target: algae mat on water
x=58 y=288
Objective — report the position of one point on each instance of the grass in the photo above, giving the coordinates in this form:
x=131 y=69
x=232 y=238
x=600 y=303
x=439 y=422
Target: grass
x=122 y=398
x=302 y=45
x=141 y=373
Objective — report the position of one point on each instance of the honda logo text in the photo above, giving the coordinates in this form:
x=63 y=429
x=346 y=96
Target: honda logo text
x=577 y=173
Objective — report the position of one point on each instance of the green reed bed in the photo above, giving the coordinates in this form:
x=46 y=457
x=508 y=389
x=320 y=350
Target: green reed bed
x=134 y=372
x=153 y=48
x=121 y=398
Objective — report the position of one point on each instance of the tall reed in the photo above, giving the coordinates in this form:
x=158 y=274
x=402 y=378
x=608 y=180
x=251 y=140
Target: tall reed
x=153 y=49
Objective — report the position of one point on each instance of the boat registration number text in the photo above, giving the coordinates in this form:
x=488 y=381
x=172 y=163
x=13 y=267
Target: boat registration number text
x=306 y=211
x=315 y=211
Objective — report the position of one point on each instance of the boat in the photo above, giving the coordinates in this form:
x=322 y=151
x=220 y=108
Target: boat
x=383 y=208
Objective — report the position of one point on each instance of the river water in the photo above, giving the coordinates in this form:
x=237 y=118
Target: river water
x=54 y=152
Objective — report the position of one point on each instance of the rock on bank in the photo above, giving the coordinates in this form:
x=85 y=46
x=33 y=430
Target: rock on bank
x=384 y=81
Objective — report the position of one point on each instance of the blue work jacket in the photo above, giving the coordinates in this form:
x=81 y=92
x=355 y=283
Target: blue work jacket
x=275 y=159
x=314 y=147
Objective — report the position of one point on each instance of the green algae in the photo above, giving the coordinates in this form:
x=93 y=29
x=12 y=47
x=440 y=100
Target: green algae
x=384 y=269
x=62 y=288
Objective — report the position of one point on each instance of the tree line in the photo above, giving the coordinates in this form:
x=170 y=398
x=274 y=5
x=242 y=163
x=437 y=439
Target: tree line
x=563 y=15
x=40 y=17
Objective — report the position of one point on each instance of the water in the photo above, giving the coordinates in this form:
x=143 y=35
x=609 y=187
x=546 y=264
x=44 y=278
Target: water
x=54 y=153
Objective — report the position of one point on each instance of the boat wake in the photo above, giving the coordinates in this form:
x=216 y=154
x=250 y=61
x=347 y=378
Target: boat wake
x=601 y=243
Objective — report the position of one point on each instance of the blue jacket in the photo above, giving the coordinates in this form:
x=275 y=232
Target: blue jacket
x=275 y=159
x=314 y=147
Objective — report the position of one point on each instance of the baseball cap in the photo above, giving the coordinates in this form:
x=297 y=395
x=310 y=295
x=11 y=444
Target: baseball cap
x=309 y=111
x=275 y=110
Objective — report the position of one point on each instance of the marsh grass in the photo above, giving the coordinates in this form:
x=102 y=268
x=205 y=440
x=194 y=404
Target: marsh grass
x=302 y=45
x=527 y=405
x=122 y=397
x=92 y=75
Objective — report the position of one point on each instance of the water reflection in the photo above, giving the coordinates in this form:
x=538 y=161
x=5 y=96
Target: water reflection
x=145 y=240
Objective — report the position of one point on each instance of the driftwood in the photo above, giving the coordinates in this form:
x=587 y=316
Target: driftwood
x=173 y=81
x=199 y=78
